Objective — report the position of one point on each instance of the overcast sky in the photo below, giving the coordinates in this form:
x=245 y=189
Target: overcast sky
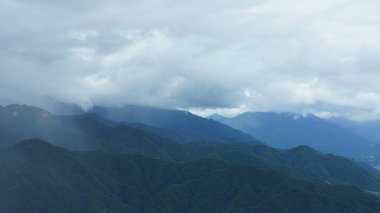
x=317 y=56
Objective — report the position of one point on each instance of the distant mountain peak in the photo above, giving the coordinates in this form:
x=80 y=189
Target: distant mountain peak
x=20 y=110
x=32 y=142
x=34 y=145
x=298 y=116
x=184 y=126
x=217 y=117
x=287 y=130
x=289 y=115
x=303 y=149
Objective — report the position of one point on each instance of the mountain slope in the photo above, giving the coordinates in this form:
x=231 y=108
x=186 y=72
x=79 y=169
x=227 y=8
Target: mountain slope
x=217 y=117
x=84 y=133
x=366 y=129
x=177 y=125
x=300 y=162
x=38 y=177
x=80 y=133
x=284 y=130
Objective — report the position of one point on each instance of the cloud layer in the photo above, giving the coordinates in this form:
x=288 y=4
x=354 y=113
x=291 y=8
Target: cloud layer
x=320 y=56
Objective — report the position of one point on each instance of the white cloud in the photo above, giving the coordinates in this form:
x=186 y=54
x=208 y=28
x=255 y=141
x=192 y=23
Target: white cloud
x=83 y=36
x=224 y=56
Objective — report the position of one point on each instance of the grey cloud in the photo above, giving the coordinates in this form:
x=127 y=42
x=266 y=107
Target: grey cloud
x=201 y=55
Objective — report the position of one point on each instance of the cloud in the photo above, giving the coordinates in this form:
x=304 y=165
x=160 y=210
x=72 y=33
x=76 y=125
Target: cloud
x=200 y=55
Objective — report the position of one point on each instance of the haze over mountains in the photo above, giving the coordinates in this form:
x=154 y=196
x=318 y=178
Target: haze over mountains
x=36 y=122
x=180 y=126
x=103 y=106
x=286 y=130
x=367 y=129
x=281 y=130
x=144 y=159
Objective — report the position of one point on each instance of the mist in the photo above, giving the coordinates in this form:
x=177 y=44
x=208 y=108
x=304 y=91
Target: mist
x=203 y=56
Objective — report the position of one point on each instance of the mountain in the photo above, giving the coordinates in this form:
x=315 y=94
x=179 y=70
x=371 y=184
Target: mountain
x=39 y=177
x=61 y=108
x=82 y=133
x=367 y=129
x=217 y=117
x=286 y=130
x=180 y=126
x=301 y=162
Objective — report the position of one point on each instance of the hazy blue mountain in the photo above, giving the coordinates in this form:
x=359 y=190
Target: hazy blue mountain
x=217 y=117
x=62 y=108
x=79 y=133
x=367 y=129
x=85 y=133
x=285 y=130
x=180 y=126
x=38 y=177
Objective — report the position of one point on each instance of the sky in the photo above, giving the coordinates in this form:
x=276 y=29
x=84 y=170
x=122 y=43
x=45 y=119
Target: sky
x=206 y=56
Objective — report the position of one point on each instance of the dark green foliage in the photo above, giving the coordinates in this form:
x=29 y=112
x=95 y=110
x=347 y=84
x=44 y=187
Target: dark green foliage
x=301 y=162
x=38 y=177
x=88 y=133
x=163 y=176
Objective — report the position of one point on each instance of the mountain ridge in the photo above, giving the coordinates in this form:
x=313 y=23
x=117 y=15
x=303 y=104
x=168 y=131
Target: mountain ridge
x=119 y=139
x=187 y=126
x=283 y=130
x=96 y=181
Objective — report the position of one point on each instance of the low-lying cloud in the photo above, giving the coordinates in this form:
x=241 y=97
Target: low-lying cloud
x=201 y=55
